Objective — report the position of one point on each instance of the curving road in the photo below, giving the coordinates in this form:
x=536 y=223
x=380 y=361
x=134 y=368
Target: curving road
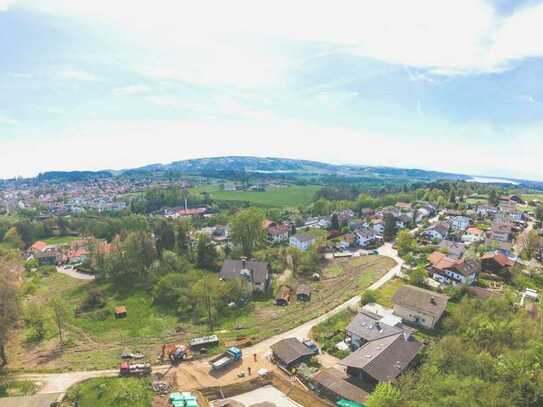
x=76 y=274
x=61 y=382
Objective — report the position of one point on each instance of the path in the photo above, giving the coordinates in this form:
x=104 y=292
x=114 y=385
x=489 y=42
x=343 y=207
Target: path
x=61 y=382
x=76 y=274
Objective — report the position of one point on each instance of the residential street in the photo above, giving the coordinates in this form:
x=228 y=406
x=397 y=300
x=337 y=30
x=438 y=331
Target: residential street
x=75 y=274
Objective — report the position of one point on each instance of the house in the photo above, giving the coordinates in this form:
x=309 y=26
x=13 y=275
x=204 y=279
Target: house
x=403 y=221
x=302 y=241
x=437 y=232
x=121 y=312
x=48 y=257
x=379 y=226
x=473 y=235
x=420 y=306
x=403 y=206
x=459 y=222
x=303 y=292
x=78 y=255
x=448 y=270
x=382 y=360
x=220 y=234
x=276 y=232
x=37 y=247
x=333 y=383
x=366 y=327
x=501 y=232
x=496 y=262
x=512 y=198
x=255 y=272
x=290 y=352
x=454 y=250
x=366 y=237
x=345 y=216
x=486 y=210
x=283 y=296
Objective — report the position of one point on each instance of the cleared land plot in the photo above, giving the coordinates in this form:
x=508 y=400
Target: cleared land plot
x=272 y=197
x=94 y=340
x=335 y=288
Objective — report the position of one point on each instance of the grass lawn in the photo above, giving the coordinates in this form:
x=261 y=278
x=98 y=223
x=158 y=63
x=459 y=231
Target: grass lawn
x=386 y=292
x=272 y=197
x=60 y=240
x=121 y=392
x=12 y=388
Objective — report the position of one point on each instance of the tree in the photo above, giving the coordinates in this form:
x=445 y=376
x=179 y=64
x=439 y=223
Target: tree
x=417 y=277
x=60 y=316
x=385 y=395
x=9 y=311
x=390 y=227
x=539 y=213
x=493 y=198
x=13 y=239
x=35 y=319
x=247 y=230
x=206 y=292
x=530 y=243
x=405 y=242
x=165 y=235
x=334 y=224
x=206 y=254
x=368 y=297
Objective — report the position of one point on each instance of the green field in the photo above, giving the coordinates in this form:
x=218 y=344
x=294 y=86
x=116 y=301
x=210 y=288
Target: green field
x=126 y=392
x=273 y=197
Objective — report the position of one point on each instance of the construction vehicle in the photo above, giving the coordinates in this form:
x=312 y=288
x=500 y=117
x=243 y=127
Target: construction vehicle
x=176 y=353
x=226 y=359
x=140 y=369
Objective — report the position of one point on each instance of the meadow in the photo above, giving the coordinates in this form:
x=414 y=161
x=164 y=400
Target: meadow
x=281 y=197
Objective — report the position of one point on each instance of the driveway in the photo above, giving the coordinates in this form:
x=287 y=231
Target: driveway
x=76 y=274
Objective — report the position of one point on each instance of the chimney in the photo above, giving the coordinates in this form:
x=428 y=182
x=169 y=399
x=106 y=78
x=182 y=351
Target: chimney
x=243 y=263
x=433 y=301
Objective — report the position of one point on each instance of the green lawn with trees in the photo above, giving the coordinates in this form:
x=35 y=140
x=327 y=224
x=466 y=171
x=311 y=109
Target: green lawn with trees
x=125 y=392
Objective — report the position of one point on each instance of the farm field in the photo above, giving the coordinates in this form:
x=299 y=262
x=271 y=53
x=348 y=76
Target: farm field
x=273 y=197
x=95 y=340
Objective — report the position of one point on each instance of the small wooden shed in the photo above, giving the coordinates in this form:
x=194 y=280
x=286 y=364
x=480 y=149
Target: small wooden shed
x=283 y=295
x=120 y=312
x=303 y=292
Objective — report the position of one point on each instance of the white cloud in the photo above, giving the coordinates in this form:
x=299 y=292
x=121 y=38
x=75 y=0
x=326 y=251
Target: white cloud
x=226 y=39
x=130 y=90
x=8 y=121
x=77 y=75
x=4 y=5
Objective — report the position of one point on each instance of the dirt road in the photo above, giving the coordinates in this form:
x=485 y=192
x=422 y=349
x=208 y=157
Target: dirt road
x=76 y=274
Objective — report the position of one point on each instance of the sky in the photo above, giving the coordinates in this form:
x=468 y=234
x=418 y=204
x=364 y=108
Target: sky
x=442 y=85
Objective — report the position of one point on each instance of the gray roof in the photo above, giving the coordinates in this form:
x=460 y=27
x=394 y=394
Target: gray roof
x=232 y=269
x=454 y=249
x=420 y=299
x=290 y=350
x=384 y=359
x=370 y=329
x=336 y=382
x=303 y=237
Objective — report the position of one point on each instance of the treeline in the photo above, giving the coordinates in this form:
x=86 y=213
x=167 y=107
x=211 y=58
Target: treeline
x=492 y=356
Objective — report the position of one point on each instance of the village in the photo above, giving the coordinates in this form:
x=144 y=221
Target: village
x=419 y=257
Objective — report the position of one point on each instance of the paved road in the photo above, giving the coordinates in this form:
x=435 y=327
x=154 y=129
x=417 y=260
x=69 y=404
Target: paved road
x=76 y=274
x=61 y=382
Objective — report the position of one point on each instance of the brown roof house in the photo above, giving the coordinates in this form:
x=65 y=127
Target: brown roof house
x=382 y=360
x=420 y=306
x=333 y=383
x=290 y=352
x=303 y=292
x=283 y=295
x=257 y=273
x=449 y=270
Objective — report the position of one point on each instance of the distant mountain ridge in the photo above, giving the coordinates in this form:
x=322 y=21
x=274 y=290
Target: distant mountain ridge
x=251 y=164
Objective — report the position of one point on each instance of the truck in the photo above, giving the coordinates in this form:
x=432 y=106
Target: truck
x=139 y=369
x=204 y=342
x=226 y=359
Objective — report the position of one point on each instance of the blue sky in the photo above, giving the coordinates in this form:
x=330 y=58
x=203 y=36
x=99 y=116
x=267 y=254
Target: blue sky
x=449 y=85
